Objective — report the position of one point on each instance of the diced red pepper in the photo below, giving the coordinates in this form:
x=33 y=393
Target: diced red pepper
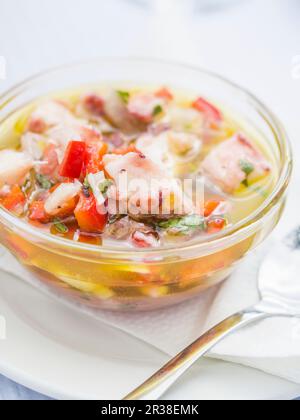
x=37 y=212
x=210 y=207
x=95 y=150
x=74 y=159
x=216 y=225
x=164 y=93
x=89 y=219
x=209 y=110
x=15 y=199
x=94 y=104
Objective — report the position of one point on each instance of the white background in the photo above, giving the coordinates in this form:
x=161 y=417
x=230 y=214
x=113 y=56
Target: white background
x=253 y=43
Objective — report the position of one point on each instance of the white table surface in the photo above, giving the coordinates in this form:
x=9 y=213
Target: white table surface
x=252 y=43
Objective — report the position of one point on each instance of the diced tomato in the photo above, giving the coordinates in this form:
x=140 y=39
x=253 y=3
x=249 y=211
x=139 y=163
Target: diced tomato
x=210 y=207
x=88 y=217
x=125 y=151
x=164 y=93
x=94 y=104
x=74 y=159
x=50 y=161
x=216 y=225
x=15 y=199
x=37 y=212
x=209 y=110
x=95 y=150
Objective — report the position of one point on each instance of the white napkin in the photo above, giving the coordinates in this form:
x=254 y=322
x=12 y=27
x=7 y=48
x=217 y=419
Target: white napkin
x=272 y=346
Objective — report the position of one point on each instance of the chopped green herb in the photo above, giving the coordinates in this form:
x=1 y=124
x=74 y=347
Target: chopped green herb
x=113 y=218
x=184 y=224
x=247 y=167
x=193 y=221
x=125 y=96
x=104 y=186
x=27 y=186
x=30 y=183
x=86 y=183
x=169 y=223
x=157 y=110
x=43 y=182
x=60 y=226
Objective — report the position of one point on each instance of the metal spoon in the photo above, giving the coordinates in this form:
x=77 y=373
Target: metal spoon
x=279 y=286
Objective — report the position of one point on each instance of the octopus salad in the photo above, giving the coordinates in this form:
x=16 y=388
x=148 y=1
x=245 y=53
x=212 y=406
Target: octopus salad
x=141 y=168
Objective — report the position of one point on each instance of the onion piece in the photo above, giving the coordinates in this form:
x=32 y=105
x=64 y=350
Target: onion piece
x=95 y=181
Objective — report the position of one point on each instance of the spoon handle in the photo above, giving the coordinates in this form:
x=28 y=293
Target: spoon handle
x=162 y=380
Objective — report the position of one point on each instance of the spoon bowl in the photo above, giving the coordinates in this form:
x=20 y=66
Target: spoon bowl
x=279 y=287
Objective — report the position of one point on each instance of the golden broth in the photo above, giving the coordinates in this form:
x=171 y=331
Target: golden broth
x=147 y=284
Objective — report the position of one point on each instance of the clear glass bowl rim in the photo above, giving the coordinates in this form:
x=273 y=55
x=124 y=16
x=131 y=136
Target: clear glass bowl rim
x=214 y=243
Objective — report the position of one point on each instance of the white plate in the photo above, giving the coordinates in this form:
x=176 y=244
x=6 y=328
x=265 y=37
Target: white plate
x=57 y=351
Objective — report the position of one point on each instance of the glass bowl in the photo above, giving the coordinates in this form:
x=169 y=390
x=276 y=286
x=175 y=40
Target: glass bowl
x=133 y=280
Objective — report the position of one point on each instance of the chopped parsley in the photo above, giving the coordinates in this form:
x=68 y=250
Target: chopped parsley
x=247 y=167
x=104 y=186
x=86 y=183
x=125 y=96
x=43 y=182
x=29 y=183
x=60 y=226
x=157 y=110
x=113 y=218
x=184 y=224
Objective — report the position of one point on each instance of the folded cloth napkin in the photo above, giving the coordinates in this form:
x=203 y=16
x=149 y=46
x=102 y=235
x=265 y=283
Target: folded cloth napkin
x=272 y=346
